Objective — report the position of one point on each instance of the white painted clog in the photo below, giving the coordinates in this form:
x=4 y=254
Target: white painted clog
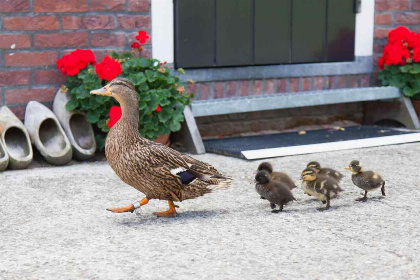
x=46 y=134
x=4 y=157
x=77 y=128
x=15 y=140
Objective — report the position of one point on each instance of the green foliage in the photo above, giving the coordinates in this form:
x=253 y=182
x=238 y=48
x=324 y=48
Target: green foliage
x=155 y=85
x=406 y=78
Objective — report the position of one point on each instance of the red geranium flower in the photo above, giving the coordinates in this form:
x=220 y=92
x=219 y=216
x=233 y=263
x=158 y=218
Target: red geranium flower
x=108 y=69
x=142 y=36
x=158 y=109
x=135 y=45
x=114 y=115
x=395 y=54
x=72 y=63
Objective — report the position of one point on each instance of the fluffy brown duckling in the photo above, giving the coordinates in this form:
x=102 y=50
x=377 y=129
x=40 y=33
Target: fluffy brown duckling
x=366 y=180
x=275 y=192
x=325 y=171
x=322 y=187
x=277 y=176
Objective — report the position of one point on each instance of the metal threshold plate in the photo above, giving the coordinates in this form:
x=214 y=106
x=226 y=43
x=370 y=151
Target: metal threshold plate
x=315 y=141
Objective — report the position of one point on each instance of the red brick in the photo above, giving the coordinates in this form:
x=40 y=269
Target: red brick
x=270 y=87
x=142 y=6
x=55 y=40
x=13 y=96
x=132 y=38
x=46 y=77
x=218 y=90
x=41 y=6
x=341 y=81
x=231 y=88
x=19 y=112
x=19 y=41
x=15 y=78
x=392 y=5
x=293 y=84
x=107 y=5
x=89 y=22
x=244 y=88
x=134 y=22
x=30 y=23
x=365 y=80
x=318 y=83
x=282 y=85
x=378 y=47
x=353 y=81
x=330 y=82
x=107 y=39
x=416 y=5
x=31 y=59
x=100 y=54
x=257 y=88
x=407 y=18
x=204 y=91
x=306 y=84
x=192 y=88
x=14 y=6
x=383 y=19
x=381 y=33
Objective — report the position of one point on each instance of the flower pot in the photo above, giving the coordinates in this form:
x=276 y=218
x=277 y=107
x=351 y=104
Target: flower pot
x=163 y=139
x=78 y=130
x=15 y=140
x=416 y=105
x=46 y=134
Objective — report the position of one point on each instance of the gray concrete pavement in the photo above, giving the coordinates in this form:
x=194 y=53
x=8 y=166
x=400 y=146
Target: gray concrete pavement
x=53 y=225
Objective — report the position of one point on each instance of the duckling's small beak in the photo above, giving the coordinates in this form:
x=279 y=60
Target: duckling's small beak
x=347 y=167
x=102 y=91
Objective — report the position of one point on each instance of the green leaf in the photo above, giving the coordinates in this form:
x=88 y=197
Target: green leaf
x=72 y=104
x=137 y=78
x=92 y=117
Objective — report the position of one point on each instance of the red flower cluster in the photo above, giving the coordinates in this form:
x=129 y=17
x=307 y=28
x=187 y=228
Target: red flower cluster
x=142 y=37
x=115 y=114
x=403 y=47
x=108 y=69
x=72 y=63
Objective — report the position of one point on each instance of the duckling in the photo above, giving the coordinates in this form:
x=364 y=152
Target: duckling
x=322 y=187
x=277 y=193
x=366 y=180
x=153 y=169
x=277 y=176
x=325 y=171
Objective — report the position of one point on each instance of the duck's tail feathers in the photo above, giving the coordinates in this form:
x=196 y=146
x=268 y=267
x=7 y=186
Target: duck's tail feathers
x=220 y=182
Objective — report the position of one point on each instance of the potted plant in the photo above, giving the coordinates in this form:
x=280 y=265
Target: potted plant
x=400 y=63
x=162 y=95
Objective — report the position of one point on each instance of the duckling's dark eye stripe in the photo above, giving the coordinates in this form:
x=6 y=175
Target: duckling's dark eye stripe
x=122 y=83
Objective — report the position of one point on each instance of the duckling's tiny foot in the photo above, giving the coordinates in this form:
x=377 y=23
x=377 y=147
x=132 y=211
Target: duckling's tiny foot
x=324 y=202
x=322 y=209
x=272 y=206
x=361 y=199
x=275 y=211
x=129 y=208
x=383 y=191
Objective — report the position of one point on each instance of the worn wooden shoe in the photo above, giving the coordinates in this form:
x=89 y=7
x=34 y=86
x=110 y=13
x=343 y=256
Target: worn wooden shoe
x=46 y=134
x=15 y=140
x=4 y=157
x=78 y=130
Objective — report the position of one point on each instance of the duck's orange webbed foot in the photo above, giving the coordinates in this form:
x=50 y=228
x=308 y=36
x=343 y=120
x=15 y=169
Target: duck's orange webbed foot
x=171 y=212
x=129 y=208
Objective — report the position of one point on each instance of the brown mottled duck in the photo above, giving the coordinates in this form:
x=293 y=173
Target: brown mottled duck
x=366 y=180
x=153 y=169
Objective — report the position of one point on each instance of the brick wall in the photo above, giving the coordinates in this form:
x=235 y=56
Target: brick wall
x=390 y=14
x=35 y=33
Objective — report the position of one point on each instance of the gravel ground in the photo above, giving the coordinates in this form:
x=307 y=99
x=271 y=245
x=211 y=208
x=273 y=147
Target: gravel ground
x=53 y=225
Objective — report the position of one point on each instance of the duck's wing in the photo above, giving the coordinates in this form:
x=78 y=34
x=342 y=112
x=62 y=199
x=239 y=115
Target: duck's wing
x=177 y=171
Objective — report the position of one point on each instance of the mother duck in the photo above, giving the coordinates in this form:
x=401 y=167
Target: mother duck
x=153 y=169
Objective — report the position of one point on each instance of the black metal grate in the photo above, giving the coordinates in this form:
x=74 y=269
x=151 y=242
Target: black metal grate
x=234 y=146
x=217 y=33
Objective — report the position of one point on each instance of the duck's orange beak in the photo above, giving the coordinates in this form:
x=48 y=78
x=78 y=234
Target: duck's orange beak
x=102 y=91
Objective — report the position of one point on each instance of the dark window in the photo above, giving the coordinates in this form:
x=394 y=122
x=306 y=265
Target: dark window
x=217 y=33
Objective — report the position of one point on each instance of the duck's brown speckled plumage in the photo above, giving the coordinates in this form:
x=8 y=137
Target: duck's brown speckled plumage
x=147 y=166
